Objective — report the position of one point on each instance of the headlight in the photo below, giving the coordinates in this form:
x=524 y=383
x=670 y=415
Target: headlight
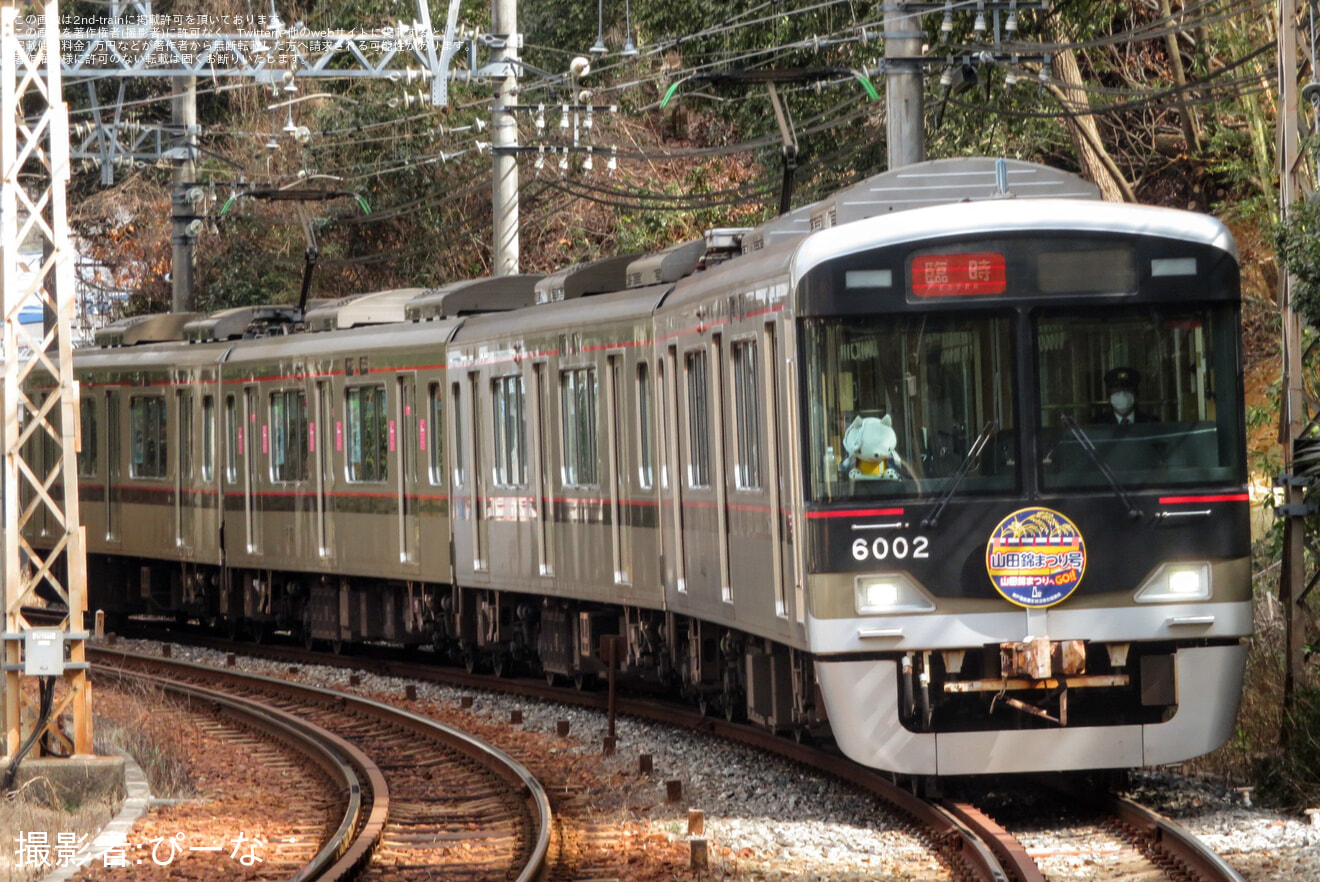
x=1173 y=583
x=890 y=593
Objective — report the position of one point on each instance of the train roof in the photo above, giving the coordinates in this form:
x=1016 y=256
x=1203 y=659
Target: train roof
x=471 y=296
x=152 y=357
x=139 y=329
x=920 y=185
x=379 y=307
x=1010 y=216
x=352 y=341
x=582 y=313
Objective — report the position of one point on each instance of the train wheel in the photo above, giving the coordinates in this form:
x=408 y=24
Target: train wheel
x=551 y=679
x=584 y=682
x=260 y=632
x=470 y=661
x=232 y=628
x=337 y=646
x=501 y=665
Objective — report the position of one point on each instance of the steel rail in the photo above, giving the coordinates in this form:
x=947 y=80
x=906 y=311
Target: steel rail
x=1162 y=835
x=343 y=852
x=487 y=755
x=1173 y=840
x=957 y=841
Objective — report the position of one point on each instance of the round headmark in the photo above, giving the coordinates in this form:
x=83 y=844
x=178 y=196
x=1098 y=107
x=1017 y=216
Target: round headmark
x=1035 y=557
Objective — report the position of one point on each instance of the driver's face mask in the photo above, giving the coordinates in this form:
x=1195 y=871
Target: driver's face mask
x=1122 y=400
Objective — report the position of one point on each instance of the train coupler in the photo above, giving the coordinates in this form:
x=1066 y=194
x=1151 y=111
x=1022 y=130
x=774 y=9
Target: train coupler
x=1039 y=658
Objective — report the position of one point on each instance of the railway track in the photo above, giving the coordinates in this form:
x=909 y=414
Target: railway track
x=964 y=832
x=440 y=801
x=352 y=775
x=1059 y=828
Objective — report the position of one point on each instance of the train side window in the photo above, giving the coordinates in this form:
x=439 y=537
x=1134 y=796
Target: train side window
x=208 y=438
x=185 y=401
x=87 y=457
x=456 y=394
x=644 y=426
x=578 y=397
x=510 y=418
x=747 y=415
x=435 y=436
x=231 y=439
x=288 y=448
x=149 y=443
x=365 y=422
x=698 y=401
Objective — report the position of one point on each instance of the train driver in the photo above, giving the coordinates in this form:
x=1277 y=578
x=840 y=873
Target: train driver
x=1122 y=387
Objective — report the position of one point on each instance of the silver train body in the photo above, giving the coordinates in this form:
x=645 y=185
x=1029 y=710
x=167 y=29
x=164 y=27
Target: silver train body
x=684 y=451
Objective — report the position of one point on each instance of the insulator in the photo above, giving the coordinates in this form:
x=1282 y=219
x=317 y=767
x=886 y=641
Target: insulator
x=978 y=27
x=563 y=161
x=540 y=118
x=563 y=117
x=1011 y=26
x=946 y=26
x=587 y=164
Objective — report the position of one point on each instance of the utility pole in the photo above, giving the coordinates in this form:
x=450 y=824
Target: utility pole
x=41 y=401
x=183 y=107
x=1293 y=417
x=906 y=124
x=504 y=137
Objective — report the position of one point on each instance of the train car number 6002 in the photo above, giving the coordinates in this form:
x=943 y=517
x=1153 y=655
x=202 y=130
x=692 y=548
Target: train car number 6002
x=898 y=548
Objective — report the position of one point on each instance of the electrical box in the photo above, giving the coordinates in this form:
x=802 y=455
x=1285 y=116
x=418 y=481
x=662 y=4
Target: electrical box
x=43 y=653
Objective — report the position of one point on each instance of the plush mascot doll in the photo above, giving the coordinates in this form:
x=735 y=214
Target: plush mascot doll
x=871 y=443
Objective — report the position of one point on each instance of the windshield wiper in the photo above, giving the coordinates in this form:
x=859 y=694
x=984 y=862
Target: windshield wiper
x=933 y=519
x=1085 y=441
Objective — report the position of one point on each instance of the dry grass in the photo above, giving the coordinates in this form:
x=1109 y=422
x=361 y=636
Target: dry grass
x=1287 y=774
x=28 y=811
x=139 y=723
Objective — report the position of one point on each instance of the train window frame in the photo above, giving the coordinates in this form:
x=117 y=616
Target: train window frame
x=290 y=450
x=233 y=438
x=148 y=437
x=1182 y=430
x=88 y=457
x=208 y=438
x=696 y=376
x=184 y=399
x=362 y=431
x=645 y=417
x=579 y=390
x=432 y=433
x=744 y=365
x=509 y=433
x=945 y=380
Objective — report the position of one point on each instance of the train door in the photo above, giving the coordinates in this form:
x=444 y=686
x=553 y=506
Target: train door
x=795 y=499
x=114 y=464
x=675 y=475
x=770 y=393
x=247 y=454
x=620 y=534
x=545 y=511
x=183 y=469
x=720 y=425
x=473 y=429
x=319 y=440
x=405 y=441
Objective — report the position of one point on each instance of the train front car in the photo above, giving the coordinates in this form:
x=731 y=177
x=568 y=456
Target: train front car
x=1026 y=508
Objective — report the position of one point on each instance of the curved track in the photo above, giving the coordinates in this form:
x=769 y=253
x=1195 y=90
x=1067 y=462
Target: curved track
x=452 y=803
x=356 y=775
x=974 y=845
